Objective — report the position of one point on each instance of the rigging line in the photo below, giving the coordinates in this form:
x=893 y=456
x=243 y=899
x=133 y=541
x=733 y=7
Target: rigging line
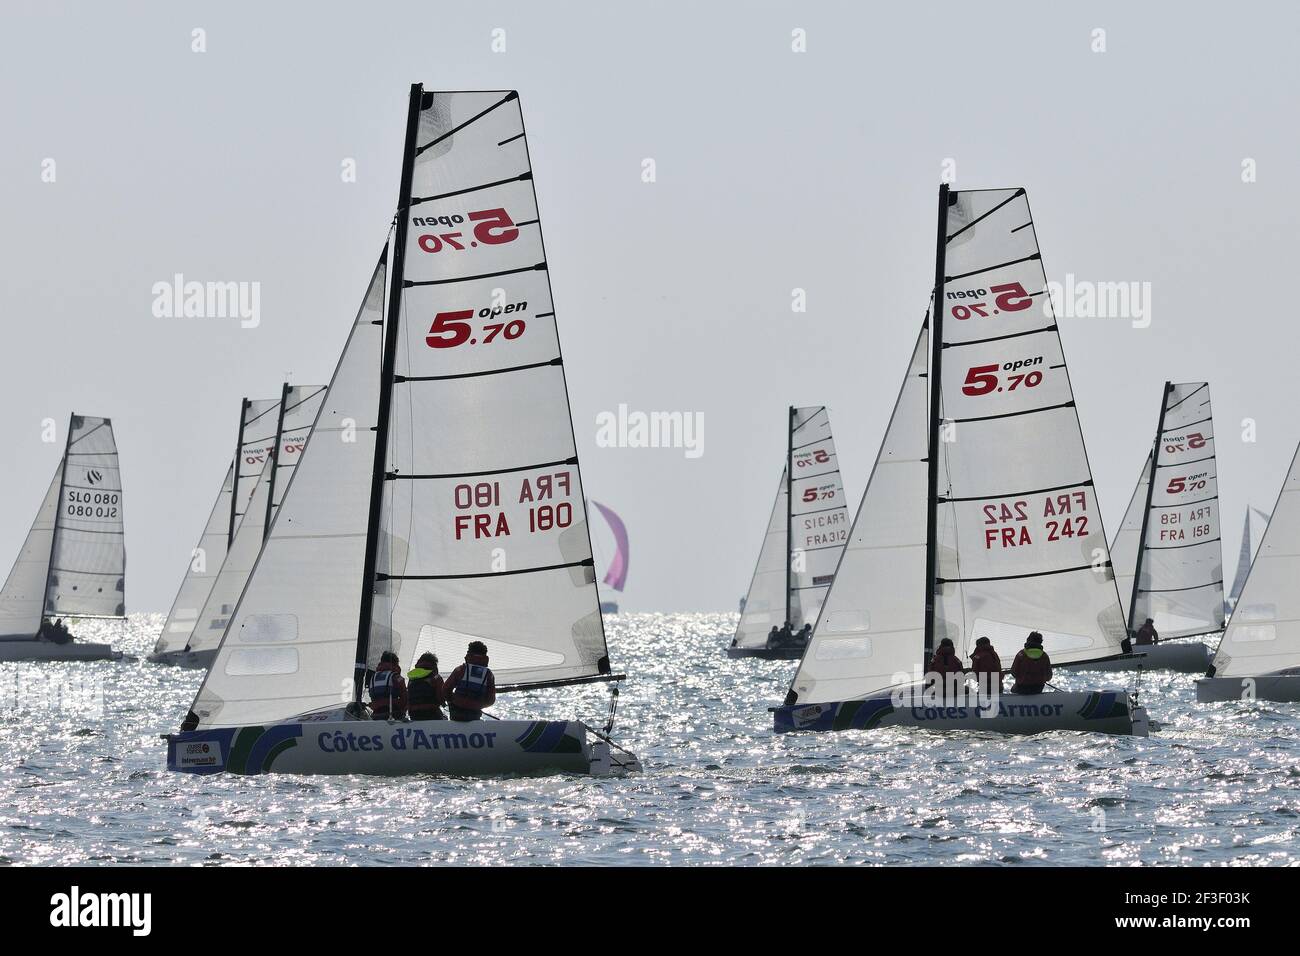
x=522 y=177
x=394 y=476
x=992 y=268
x=1181 y=464
x=1018 y=494
x=999 y=338
x=983 y=216
x=492 y=371
x=1188 y=504
x=1027 y=411
x=1195 y=587
x=1199 y=421
x=588 y=563
x=1017 y=577
x=1176 y=547
x=473 y=119
x=410 y=283
x=1187 y=396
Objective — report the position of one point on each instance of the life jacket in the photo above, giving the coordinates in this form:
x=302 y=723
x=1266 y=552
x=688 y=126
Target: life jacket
x=423 y=700
x=1032 y=667
x=386 y=691
x=985 y=660
x=471 y=689
x=945 y=662
x=1146 y=635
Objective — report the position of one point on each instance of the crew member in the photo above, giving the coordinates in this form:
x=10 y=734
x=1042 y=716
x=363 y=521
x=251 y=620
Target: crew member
x=424 y=689
x=1147 y=633
x=472 y=685
x=1032 y=668
x=945 y=668
x=388 y=689
x=986 y=666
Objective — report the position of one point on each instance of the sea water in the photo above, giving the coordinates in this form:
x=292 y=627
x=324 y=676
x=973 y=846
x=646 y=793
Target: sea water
x=83 y=779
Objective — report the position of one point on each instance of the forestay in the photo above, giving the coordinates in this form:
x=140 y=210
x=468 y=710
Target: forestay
x=483 y=530
x=291 y=642
x=1180 y=563
x=88 y=558
x=23 y=596
x=871 y=631
x=1263 y=635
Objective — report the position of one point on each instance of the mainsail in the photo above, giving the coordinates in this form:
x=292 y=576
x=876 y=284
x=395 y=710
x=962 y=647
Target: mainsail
x=806 y=533
x=1170 y=537
x=219 y=531
x=300 y=405
x=87 y=572
x=440 y=502
x=1263 y=635
x=1014 y=540
x=1249 y=544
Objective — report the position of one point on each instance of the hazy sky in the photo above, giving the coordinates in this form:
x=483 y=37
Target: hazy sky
x=774 y=170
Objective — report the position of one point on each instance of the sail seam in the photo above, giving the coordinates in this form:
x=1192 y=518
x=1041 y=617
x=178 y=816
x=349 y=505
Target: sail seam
x=1000 y=338
x=492 y=371
x=1017 y=577
x=1016 y=494
x=1188 y=504
x=1194 y=587
x=413 y=283
x=522 y=177
x=993 y=268
x=1179 y=547
x=588 y=563
x=1182 y=464
x=1026 y=411
x=395 y=476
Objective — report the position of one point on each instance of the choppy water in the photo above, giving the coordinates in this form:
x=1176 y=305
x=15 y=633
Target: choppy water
x=1219 y=784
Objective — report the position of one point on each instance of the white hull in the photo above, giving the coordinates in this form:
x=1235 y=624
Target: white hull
x=195 y=659
x=1284 y=688
x=397 y=748
x=1101 y=711
x=49 y=651
x=1185 y=657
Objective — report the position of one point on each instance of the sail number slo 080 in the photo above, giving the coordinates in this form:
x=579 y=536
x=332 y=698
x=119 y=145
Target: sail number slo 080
x=86 y=504
x=482 y=517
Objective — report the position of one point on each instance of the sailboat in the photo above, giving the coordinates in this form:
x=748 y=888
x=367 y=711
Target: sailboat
x=1259 y=655
x=73 y=562
x=438 y=500
x=616 y=572
x=979 y=518
x=1167 y=553
x=805 y=537
x=272 y=436
x=1249 y=544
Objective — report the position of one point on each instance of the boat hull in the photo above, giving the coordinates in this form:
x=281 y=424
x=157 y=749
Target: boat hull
x=194 y=659
x=397 y=748
x=1097 y=711
x=767 y=653
x=49 y=651
x=1283 y=688
x=1181 y=656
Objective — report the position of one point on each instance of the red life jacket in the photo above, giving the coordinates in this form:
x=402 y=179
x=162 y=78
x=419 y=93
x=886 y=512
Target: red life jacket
x=945 y=662
x=985 y=660
x=1032 y=667
x=472 y=685
x=388 y=692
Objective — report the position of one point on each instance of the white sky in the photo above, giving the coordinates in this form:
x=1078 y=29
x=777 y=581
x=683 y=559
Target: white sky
x=775 y=170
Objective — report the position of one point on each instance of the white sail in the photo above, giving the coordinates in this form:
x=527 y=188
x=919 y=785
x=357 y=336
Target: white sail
x=483 y=532
x=209 y=554
x=1263 y=635
x=23 y=596
x=301 y=406
x=819 y=516
x=1249 y=544
x=88 y=561
x=292 y=639
x=1180 y=577
x=1124 y=549
x=871 y=631
x=765 y=602
x=1020 y=541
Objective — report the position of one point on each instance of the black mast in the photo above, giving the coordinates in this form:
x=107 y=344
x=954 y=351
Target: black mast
x=239 y=457
x=936 y=410
x=386 y=392
x=1146 y=513
x=789 y=515
x=274 y=462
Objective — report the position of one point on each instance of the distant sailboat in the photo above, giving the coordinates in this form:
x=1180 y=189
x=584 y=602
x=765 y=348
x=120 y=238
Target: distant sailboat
x=262 y=468
x=437 y=501
x=979 y=519
x=1167 y=553
x=805 y=537
x=73 y=563
x=1259 y=655
x=616 y=573
x=1249 y=544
